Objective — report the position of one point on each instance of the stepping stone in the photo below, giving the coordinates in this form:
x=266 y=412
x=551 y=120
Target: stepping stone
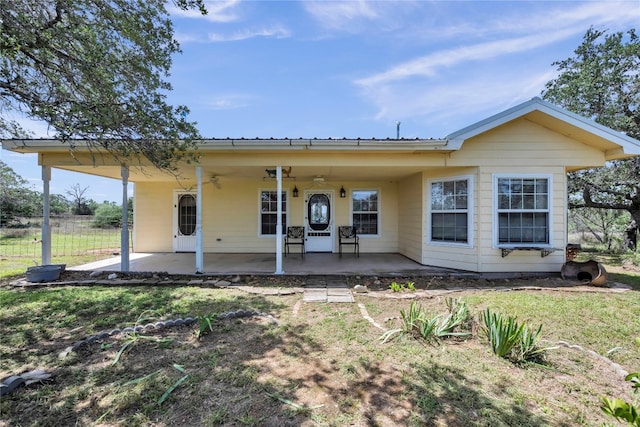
x=340 y=298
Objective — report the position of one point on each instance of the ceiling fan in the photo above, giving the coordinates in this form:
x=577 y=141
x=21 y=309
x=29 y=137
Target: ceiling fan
x=215 y=180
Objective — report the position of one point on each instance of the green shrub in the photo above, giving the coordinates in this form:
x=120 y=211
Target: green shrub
x=621 y=410
x=109 y=215
x=397 y=287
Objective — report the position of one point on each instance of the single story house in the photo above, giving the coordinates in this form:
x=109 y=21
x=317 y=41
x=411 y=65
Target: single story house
x=491 y=197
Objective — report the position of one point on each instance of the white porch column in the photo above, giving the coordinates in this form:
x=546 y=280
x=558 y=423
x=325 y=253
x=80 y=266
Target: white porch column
x=199 y=250
x=46 y=208
x=124 y=235
x=279 y=221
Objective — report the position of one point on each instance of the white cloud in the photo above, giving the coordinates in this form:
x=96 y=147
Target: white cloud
x=217 y=11
x=353 y=16
x=334 y=14
x=229 y=102
x=475 y=96
x=429 y=65
x=615 y=16
x=428 y=85
x=275 y=31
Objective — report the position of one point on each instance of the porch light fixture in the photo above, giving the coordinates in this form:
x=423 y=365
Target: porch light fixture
x=343 y=193
x=295 y=191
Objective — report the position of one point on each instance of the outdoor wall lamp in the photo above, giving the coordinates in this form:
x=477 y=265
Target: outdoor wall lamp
x=343 y=193
x=295 y=191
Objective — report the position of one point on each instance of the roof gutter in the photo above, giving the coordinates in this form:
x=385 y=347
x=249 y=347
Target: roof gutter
x=244 y=144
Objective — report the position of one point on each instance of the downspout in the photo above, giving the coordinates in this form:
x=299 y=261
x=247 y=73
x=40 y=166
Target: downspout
x=46 y=210
x=199 y=250
x=279 y=221
x=124 y=235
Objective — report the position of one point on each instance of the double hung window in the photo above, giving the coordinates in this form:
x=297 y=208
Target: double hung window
x=450 y=206
x=522 y=210
x=365 y=211
x=269 y=211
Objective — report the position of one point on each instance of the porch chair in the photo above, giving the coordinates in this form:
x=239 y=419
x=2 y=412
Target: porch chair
x=347 y=235
x=294 y=236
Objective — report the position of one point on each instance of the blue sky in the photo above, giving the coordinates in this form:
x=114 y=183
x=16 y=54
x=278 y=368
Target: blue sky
x=355 y=68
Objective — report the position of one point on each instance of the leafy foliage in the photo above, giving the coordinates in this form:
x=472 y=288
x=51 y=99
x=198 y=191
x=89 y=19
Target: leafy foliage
x=602 y=82
x=399 y=287
x=109 y=215
x=95 y=70
x=621 y=410
x=205 y=324
x=16 y=198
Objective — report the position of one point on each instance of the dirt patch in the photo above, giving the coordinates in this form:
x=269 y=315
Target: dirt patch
x=322 y=364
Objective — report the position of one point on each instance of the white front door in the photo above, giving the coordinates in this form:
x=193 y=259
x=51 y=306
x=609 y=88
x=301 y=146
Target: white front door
x=319 y=220
x=184 y=222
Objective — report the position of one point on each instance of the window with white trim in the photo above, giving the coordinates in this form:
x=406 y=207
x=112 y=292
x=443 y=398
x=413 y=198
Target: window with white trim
x=450 y=200
x=523 y=210
x=365 y=211
x=269 y=211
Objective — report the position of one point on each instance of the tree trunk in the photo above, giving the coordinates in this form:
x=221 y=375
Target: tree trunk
x=631 y=236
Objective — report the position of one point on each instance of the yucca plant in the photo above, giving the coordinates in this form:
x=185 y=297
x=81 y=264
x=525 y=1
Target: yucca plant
x=429 y=329
x=413 y=319
x=411 y=323
x=529 y=349
x=503 y=333
x=416 y=323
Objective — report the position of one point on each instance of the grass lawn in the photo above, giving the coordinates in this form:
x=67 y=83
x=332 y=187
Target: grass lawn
x=73 y=242
x=317 y=365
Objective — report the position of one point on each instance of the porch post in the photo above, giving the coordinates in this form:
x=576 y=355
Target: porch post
x=199 y=251
x=279 y=221
x=124 y=235
x=46 y=209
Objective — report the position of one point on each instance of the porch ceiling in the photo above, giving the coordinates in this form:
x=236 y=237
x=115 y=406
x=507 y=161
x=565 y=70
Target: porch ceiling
x=334 y=174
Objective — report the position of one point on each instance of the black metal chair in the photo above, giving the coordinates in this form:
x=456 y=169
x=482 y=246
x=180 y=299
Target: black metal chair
x=294 y=236
x=348 y=235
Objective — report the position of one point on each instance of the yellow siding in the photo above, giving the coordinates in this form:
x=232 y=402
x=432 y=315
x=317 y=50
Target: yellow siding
x=231 y=215
x=449 y=255
x=522 y=142
x=153 y=217
x=490 y=256
x=410 y=217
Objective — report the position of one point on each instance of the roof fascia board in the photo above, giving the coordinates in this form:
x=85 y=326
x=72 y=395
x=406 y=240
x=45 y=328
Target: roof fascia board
x=627 y=143
x=44 y=145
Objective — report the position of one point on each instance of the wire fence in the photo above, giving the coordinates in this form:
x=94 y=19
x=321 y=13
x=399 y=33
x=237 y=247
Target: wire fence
x=70 y=235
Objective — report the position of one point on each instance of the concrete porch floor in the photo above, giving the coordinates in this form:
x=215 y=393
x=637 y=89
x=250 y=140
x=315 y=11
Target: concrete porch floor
x=312 y=264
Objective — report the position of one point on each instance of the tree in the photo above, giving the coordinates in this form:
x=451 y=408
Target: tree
x=59 y=204
x=602 y=82
x=109 y=215
x=78 y=199
x=95 y=70
x=16 y=198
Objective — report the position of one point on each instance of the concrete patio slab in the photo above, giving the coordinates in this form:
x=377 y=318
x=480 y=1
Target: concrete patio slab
x=311 y=264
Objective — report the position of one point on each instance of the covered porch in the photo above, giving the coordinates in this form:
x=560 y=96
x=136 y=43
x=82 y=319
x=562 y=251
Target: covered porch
x=370 y=264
